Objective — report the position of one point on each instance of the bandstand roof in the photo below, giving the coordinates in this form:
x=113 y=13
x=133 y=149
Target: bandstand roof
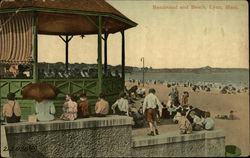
x=71 y=17
x=54 y=17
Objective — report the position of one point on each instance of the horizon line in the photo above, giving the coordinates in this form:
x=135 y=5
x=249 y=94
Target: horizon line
x=157 y=68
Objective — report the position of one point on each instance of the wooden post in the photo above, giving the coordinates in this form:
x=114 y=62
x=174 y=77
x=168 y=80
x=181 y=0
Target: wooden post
x=99 y=49
x=35 y=56
x=66 y=40
x=143 y=71
x=105 y=52
x=67 y=53
x=123 y=59
x=35 y=59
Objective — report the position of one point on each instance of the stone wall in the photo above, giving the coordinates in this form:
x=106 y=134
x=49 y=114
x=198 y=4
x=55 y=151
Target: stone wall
x=173 y=144
x=89 y=137
x=109 y=136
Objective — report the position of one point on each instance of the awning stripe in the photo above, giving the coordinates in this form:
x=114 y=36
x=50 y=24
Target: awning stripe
x=16 y=38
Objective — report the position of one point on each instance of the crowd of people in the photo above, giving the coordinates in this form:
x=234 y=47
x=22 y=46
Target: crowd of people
x=189 y=118
x=16 y=71
x=197 y=86
x=25 y=71
x=177 y=108
x=45 y=110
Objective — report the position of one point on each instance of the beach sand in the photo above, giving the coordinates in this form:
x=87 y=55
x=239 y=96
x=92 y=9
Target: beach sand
x=236 y=131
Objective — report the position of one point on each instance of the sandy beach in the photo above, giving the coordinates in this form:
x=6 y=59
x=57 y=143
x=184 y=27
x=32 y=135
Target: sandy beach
x=236 y=131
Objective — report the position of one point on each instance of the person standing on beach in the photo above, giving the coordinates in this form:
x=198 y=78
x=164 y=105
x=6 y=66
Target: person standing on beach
x=149 y=109
x=184 y=99
x=174 y=95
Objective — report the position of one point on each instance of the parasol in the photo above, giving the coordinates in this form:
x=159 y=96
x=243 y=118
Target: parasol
x=40 y=91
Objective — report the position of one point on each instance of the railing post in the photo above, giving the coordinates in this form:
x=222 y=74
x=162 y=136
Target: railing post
x=105 y=52
x=67 y=53
x=35 y=60
x=123 y=59
x=99 y=53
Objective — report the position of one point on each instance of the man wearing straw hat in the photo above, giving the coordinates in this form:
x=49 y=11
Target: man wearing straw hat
x=149 y=108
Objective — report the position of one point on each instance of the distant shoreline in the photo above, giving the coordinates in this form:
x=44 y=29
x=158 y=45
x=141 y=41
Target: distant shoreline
x=222 y=77
x=196 y=71
x=153 y=72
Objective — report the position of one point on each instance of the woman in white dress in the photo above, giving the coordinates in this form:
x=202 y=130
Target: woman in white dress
x=69 y=109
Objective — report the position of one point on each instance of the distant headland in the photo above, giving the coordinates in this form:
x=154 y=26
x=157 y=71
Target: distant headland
x=132 y=69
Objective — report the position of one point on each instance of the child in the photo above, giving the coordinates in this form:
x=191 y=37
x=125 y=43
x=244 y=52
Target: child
x=184 y=125
x=149 y=109
x=208 y=122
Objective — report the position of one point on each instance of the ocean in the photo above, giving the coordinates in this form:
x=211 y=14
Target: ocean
x=240 y=78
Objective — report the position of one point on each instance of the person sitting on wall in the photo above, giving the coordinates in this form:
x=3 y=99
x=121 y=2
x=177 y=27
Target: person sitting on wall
x=11 y=109
x=69 y=108
x=101 y=107
x=208 y=122
x=45 y=110
x=197 y=121
x=83 y=108
x=184 y=125
x=121 y=107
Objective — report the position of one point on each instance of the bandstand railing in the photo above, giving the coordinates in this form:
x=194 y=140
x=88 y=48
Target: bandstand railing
x=112 y=86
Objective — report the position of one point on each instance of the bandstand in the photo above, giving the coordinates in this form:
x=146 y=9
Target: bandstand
x=22 y=21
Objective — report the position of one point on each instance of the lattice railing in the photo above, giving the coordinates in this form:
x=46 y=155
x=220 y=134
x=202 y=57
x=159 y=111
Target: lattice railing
x=74 y=86
x=13 y=85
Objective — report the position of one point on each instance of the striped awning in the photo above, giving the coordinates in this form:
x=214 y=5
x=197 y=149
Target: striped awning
x=71 y=17
x=16 y=38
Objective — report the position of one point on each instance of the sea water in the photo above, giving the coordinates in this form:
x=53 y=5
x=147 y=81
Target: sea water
x=238 y=78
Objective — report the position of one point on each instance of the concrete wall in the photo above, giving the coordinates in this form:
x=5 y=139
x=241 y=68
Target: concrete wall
x=90 y=137
x=105 y=137
x=173 y=144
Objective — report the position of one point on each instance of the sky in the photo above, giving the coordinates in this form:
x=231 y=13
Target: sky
x=168 y=35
